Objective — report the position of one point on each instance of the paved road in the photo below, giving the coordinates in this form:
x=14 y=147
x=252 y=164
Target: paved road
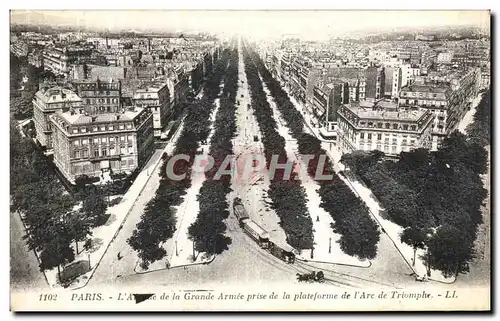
x=244 y=263
x=24 y=271
x=110 y=266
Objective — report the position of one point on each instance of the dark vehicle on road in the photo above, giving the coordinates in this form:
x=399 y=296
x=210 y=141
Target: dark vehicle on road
x=283 y=251
x=311 y=277
x=239 y=211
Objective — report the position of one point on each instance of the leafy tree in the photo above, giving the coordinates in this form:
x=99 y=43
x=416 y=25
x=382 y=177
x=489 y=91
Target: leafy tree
x=415 y=237
x=449 y=251
x=79 y=227
x=94 y=205
x=57 y=250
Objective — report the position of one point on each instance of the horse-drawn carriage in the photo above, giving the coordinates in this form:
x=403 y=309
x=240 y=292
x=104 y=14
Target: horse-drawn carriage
x=311 y=277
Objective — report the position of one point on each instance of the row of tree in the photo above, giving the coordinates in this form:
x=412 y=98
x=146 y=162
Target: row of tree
x=54 y=219
x=158 y=221
x=288 y=196
x=480 y=129
x=435 y=196
x=337 y=199
x=207 y=231
x=22 y=92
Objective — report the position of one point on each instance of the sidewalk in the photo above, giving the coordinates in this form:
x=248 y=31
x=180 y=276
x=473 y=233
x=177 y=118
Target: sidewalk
x=119 y=213
x=179 y=248
x=326 y=247
x=469 y=115
x=391 y=229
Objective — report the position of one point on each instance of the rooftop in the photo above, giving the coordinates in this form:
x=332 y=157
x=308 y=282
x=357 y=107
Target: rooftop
x=426 y=88
x=81 y=118
x=385 y=110
x=57 y=95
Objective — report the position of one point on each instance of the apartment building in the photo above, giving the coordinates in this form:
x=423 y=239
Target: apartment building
x=156 y=97
x=448 y=99
x=92 y=144
x=380 y=125
x=46 y=102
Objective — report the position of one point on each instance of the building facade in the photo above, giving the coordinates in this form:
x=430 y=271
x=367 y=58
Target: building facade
x=366 y=126
x=91 y=145
x=98 y=96
x=447 y=99
x=59 y=60
x=46 y=102
x=156 y=97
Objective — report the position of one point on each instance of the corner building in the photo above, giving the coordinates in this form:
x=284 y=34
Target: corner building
x=380 y=125
x=92 y=145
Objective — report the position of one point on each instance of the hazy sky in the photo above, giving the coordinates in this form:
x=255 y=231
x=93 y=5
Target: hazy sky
x=255 y=23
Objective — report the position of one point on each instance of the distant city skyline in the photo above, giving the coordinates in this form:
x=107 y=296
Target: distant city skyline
x=256 y=24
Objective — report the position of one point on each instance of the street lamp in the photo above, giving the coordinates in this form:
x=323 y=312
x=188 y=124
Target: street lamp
x=176 y=253
x=330 y=245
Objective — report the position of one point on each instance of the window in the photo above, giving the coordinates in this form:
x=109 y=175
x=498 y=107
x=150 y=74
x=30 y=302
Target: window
x=369 y=136
x=85 y=141
x=111 y=127
x=96 y=153
x=111 y=139
x=77 y=154
x=386 y=149
x=387 y=125
x=405 y=127
x=394 y=126
x=111 y=151
x=121 y=126
x=394 y=140
x=413 y=127
x=379 y=125
x=103 y=128
x=96 y=140
x=104 y=140
x=130 y=138
x=76 y=142
x=83 y=130
x=129 y=126
x=85 y=153
x=412 y=142
x=104 y=152
x=122 y=138
x=379 y=136
x=88 y=101
x=362 y=135
x=75 y=130
x=393 y=149
x=107 y=93
x=94 y=129
x=123 y=163
x=131 y=150
x=107 y=100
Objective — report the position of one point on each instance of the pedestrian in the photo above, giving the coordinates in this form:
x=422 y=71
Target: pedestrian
x=317 y=218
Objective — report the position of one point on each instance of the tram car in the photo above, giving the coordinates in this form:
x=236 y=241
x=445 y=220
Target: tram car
x=282 y=251
x=279 y=249
x=257 y=233
x=239 y=211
